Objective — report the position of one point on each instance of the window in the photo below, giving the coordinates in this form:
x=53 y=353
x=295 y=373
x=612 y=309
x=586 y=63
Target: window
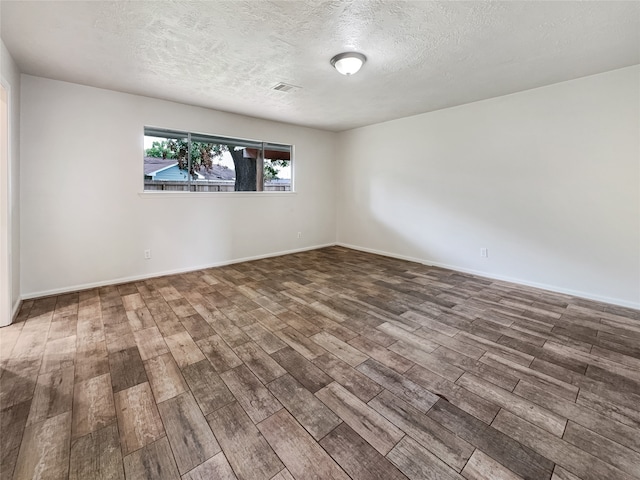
x=194 y=162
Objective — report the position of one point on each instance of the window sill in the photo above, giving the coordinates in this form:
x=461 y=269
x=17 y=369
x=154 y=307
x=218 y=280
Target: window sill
x=169 y=194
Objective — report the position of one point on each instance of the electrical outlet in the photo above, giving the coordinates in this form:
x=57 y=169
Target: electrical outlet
x=299 y=234
x=484 y=252
x=147 y=253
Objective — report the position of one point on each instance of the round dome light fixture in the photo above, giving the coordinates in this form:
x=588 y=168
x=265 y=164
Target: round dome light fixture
x=348 y=63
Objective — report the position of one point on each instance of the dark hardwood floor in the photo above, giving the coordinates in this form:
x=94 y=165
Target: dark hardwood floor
x=328 y=364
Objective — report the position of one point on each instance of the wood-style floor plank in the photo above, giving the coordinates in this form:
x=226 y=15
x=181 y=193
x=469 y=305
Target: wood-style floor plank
x=263 y=337
x=453 y=343
x=356 y=457
x=150 y=342
x=498 y=445
x=221 y=356
x=207 y=387
x=302 y=456
x=184 y=349
x=296 y=340
x=431 y=323
x=118 y=335
x=620 y=406
x=369 y=424
x=527 y=410
x=197 y=327
x=355 y=382
x=305 y=372
x=92 y=360
x=310 y=412
x=59 y=354
x=294 y=320
x=127 y=369
x=611 y=452
x=165 y=377
x=228 y=331
x=427 y=360
x=53 y=395
x=139 y=422
x=97 y=456
x=247 y=451
x=496 y=348
x=340 y=349
x=63 y=325
x=593 y=420
x=404 y=388
x=12 y=422
x=400 y=334
x=140 y=319
x=9 y=337
x=216 y=467
x=471 y=403
x=154 y=461
x=18 y=381
x=548 y=382
x=482 y=370
x=267 y=319
x=565 y=454
x=93 y=405
x=417 y=463
x=283 y=475
x=261 y=364
x=449 y=448
x=254 y=397
x=382 y=355
x=189 y=434
x=608 y=365
x=481 y=466
x=560 y=473
x=44 y=452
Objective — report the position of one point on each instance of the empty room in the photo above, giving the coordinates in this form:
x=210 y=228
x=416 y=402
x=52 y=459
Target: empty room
x=294 y=240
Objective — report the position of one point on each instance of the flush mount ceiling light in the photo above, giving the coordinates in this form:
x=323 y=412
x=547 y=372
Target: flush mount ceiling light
x=348 y=63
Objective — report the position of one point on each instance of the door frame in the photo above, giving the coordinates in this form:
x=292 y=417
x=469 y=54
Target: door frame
x=6 y=277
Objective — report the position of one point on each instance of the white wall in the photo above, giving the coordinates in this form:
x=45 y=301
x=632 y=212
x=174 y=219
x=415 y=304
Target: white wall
x=10 y=77
x=548 y=180
x=85 y=222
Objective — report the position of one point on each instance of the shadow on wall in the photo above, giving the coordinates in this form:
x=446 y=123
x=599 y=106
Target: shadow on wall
x=437 y=223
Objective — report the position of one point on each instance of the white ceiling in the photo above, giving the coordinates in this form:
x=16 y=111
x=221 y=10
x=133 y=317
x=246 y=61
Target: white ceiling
x=227 y=55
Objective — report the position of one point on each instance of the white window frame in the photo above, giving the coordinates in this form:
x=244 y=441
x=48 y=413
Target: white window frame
x=162 y=132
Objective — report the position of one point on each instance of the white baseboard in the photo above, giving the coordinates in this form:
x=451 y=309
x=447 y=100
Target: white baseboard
x=137 y=278
x=15 y=309
x=519 y=281
x=384 y=254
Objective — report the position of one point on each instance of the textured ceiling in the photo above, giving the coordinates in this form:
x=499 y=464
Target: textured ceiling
x=422 y=55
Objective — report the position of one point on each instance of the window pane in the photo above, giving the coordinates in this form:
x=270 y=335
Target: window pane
x=165 y=162
x=212 y=166
x=277 y=168
x=225 y=167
